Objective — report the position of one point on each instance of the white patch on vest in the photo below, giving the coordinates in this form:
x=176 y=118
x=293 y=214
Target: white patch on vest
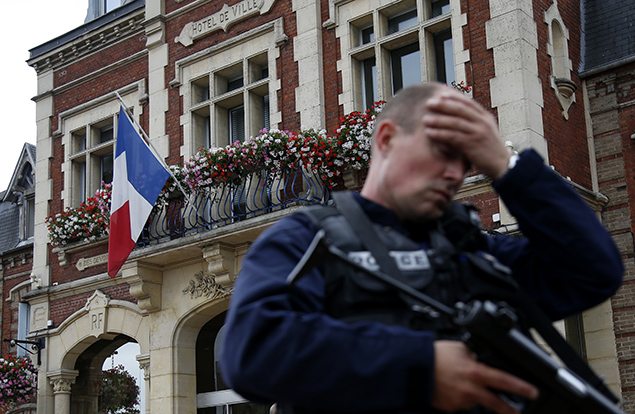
x=405 y=260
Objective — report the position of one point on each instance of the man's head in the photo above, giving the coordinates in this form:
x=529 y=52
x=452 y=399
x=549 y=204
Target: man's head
x=411 y=174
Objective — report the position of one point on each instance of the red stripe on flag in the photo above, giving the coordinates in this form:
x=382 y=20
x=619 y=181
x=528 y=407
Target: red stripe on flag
x=120 y=242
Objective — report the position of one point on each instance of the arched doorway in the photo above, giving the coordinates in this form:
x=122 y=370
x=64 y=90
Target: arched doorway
x=85 y=392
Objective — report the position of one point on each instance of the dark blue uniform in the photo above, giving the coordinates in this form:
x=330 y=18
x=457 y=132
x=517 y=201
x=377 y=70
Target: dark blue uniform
x=286 y=349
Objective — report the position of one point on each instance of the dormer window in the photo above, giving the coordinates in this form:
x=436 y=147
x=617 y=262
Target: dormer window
x=110 y=5
x=98 y=8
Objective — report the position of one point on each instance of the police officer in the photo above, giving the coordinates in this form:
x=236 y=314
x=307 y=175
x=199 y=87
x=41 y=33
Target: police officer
x=340 y=342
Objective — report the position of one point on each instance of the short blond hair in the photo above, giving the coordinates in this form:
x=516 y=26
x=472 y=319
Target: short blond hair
x=407 y=107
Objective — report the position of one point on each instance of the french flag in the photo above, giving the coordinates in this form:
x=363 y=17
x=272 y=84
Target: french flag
x=138 y=178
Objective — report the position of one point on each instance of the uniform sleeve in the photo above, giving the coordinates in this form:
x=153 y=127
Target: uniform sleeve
x=568 y=262
x=281 y=347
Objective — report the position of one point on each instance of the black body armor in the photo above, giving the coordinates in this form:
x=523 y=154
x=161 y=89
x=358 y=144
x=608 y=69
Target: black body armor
x=449 y=271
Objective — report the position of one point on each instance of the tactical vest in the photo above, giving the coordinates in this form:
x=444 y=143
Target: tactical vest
x=353 y=295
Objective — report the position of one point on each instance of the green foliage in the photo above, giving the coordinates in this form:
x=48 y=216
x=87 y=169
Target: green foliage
x=119 y=392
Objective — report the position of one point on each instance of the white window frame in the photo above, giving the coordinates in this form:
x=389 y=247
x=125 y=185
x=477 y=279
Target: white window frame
x=84 y=116
x=203 y=68
x=349 y=17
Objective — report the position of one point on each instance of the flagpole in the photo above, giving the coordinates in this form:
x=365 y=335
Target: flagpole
x=147 y=140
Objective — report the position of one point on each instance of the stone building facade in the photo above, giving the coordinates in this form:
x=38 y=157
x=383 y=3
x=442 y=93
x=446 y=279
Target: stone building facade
x=205 y=73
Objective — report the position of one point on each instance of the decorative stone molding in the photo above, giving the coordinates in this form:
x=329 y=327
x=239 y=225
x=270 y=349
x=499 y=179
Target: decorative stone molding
x=63 y=251
x=205 y=284
x=145 y=284
x=97 y=308
x=144 y=364
x=89 y=44
x=221 y=262
x=62 y=380
x=222 y=19
x=561 y=65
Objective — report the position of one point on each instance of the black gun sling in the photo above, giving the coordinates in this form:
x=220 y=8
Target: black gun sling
x=365 y=229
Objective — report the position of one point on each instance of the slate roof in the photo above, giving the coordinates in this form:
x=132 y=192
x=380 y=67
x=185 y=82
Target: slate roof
x=10 y=211
x=9 y=226
x=609 y=33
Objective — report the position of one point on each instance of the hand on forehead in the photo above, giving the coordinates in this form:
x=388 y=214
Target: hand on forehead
x=460 y=122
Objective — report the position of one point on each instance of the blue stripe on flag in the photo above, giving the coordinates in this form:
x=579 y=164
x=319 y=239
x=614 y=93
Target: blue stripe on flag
x=146 y=174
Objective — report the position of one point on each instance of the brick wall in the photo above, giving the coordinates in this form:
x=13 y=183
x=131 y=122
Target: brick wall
x=480 y=69
x=611 y=96
x=286 y=67
x=566 y=139
x=60 y=309
x=16 y=269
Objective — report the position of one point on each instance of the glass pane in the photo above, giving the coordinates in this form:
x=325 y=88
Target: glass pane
x=265 y=111
x=112 y=4
x=402 y=22
x=440 y=7
x=367 y=35
x=237 y=124
x=369 y=82
x=81 y=181
x=200 y=90
x=234 y=84
x=444 y=56
x=79 y=140
x=29 y=204
x=105 y=168
x=106 y=134
x=406 y=67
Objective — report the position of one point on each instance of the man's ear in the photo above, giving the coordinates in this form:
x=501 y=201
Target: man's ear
x=385 y=131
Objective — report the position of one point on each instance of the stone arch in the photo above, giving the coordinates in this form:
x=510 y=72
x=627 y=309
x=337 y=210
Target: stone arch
x=74 y=335
x=184 y=351
x=81 y=344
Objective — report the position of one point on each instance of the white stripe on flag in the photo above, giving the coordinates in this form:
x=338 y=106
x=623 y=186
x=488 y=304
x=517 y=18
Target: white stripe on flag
x=139 y=211
x=119 y=183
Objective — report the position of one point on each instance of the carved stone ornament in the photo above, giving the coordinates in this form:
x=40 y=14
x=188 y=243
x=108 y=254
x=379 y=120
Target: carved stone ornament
x=222 y=19
x=62 y=385
x=204 y=284
x=97 y=307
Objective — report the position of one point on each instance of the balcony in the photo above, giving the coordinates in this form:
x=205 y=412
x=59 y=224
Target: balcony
x=214 y=207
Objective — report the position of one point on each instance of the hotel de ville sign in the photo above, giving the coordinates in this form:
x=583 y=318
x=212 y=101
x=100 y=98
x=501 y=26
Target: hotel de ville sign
x=222 y=19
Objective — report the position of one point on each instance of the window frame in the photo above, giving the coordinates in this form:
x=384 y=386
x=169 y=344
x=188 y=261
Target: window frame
x=243 y=83
x=351 y=19
x=86 y=160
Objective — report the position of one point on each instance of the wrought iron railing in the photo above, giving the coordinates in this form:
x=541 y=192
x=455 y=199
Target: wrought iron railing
x=211 y=208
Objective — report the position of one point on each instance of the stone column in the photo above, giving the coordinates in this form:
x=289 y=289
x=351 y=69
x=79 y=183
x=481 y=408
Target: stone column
x=144 y=364
x=62 y=382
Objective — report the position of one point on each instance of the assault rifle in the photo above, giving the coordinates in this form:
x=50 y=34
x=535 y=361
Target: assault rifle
x=492 y=328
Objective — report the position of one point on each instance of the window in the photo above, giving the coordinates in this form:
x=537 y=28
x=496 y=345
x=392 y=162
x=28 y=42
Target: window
x=29 y=216
x=444 y=56
x=23 y=326
x=402 y=21
x=110 y=5
x=232 y=103
x=397 y=46
x=237 y=124
x=439 y=7
x=91 y=158
x=405 y=67
x=369 y=82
